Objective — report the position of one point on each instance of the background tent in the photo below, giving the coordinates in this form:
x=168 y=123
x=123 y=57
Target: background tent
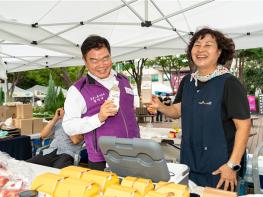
x=18 y=92
x=38 y=91
x=135 y=28
x=2 y=70
x=41 y=91
x=161 y=88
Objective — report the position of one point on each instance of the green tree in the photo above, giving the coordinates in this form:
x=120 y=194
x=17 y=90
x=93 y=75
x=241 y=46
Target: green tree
x=135 y=68
x=34 y=77
x=253 y=70
x=2 y=96
x=60 y=99
x=50 y=100
x=246 y=57
x=171 y=66
x=253 y=78
x=63 y=77
x=13 y=79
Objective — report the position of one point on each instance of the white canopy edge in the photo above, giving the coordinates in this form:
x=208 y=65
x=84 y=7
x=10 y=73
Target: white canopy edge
x=39 y=34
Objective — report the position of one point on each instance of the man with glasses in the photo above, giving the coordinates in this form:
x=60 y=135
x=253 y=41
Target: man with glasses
x=88 y=110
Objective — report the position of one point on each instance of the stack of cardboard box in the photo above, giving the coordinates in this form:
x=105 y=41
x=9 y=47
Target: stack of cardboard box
x=7 y=112
x=25 y=121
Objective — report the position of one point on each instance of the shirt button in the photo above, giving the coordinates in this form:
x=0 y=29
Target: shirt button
x=205 y=148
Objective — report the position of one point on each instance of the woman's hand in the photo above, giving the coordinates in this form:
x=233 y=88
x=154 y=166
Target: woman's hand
x=58 y=114
x=152 y=108
x=228 y=178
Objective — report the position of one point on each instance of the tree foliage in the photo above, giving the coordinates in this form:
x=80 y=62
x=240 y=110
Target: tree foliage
x=13 y=79
x=63 y=77
x=245 y=57
x=50 y=100
x=60 y=99
x=135 y=68
x=253 y=70
x=34 y=77
x=171 y=66
x=2 y=96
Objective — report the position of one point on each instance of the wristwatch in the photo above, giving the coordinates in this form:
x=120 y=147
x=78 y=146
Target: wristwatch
x=234 y=167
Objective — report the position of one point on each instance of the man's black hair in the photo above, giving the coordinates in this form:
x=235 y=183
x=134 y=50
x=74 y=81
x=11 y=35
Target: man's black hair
x=94 y=42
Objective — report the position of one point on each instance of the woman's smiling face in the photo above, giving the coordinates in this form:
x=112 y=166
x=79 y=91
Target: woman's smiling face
x=205 y=52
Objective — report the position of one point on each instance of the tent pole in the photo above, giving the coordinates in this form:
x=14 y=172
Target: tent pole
x=76 y=25
x=167 y=20
x=182 y=11
x=91 y=19
x=146 y=10
x=14 y=35
x=141 y=48
x=133 y=10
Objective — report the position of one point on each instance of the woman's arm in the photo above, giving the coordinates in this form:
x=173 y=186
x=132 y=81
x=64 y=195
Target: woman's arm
x=241 y=138
x=76 y=139
x=172 y=111
x=47 y=130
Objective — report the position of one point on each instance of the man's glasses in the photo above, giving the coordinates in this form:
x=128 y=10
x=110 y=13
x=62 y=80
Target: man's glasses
x=105 y=59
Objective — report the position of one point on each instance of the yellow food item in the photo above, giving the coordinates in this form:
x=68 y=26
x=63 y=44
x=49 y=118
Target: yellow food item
x=121 y=191
x=46 y=183
x=140 y=184
x=75 y=187
x=103 y=179
x=73 y=171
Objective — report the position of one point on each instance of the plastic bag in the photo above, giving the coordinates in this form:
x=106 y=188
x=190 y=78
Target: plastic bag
x=9 y=122
x=19 y=175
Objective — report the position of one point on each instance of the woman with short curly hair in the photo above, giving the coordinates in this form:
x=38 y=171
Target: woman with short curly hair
x=214 y=110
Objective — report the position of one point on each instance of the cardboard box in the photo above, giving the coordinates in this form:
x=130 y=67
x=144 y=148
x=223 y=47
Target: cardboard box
x=212 y=192
x=45 y=123
x=7 y=112
x=37 y=125
x=26 y=126
x=24 y=111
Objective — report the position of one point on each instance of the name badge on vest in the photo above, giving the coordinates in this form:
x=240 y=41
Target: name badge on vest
x=128 y=91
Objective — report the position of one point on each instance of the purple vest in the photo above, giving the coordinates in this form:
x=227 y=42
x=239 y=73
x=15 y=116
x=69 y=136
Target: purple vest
x=123 y=124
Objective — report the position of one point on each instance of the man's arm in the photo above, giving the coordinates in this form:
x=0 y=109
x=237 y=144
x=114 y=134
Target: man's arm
x=74 y=107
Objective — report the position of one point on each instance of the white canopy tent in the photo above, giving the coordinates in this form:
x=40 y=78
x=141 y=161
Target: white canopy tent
x=2 y=70
x=158 y=87
x=41 y=91
x=38 y=91
x=37 y=34
x=18 y=92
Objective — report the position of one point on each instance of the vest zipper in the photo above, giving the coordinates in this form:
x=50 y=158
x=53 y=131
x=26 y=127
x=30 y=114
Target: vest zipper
x=127 y=133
